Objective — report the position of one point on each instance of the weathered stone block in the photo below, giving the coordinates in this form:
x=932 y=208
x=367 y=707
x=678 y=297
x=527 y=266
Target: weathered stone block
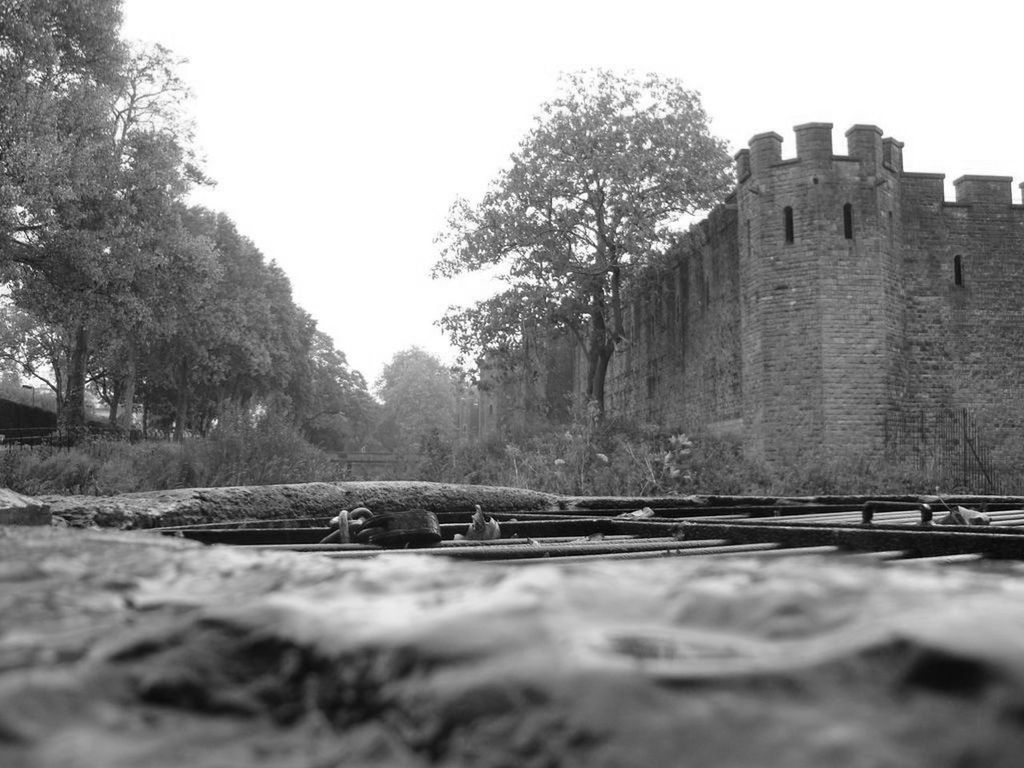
x=16 y=509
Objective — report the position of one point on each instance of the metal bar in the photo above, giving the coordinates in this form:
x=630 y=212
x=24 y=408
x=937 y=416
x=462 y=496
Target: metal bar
x=725 y=550
x=732 y=550
x=963 y=557
x=442 y=545
x=937 y=540
x=316 y=548
x=531 y=528
x=516 y=551
x=789 y=551
x=249 y=536
x=272 y=522
x=934 y=528
x=324 y=520
x=854 y=517
x=884 y=554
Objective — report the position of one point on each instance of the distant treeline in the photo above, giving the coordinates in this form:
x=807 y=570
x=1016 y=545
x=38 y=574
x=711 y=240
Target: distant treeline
x=111 y=280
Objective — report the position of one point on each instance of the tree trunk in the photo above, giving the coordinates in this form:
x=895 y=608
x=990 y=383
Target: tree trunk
x=182 y=407
x=599 y=354
x=114 y=401
x=129 y=390
x=604 y=357
x=72 y=411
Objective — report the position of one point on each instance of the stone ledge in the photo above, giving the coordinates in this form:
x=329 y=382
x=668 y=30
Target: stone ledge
x=16 y=509
x=188 y=506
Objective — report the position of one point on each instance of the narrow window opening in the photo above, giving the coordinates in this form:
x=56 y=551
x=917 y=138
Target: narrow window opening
x=892 y=234
x=788 y=217
x=848 y=221
x=958 y=270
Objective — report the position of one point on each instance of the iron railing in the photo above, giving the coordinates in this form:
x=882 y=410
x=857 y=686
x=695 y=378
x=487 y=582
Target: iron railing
x=952 y=445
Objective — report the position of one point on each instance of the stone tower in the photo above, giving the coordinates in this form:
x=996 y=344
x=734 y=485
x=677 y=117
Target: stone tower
x=835 y=305
x=819 y=290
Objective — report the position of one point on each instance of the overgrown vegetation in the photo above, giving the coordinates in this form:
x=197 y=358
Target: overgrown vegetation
x=240 y=450
x=588 y=457
x=615 y=458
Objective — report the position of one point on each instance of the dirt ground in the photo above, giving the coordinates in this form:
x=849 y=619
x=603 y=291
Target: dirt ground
x=127 y=649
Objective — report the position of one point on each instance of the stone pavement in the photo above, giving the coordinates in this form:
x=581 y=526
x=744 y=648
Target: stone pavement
x=125 y=649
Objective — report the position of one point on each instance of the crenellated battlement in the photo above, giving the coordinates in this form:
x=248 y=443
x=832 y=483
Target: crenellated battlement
x=984 y=190
x=814 y=142
x=892 y=154
x=865 y=143
x=876 y=154
x=765 y=151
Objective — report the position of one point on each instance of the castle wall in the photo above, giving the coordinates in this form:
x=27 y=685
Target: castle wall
x=831 y=296
x=963 y=267
x=680 y=367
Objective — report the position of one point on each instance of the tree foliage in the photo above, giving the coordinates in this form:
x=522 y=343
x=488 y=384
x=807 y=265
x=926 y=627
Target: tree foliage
x=111 y=279
x=418 y=396
x=610 y=168
x=337 y=412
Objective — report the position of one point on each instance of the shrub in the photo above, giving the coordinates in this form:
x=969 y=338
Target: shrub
x=241 y=450
x=591 y=458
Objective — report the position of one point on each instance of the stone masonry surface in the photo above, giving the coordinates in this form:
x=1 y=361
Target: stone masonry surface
x=832 y=300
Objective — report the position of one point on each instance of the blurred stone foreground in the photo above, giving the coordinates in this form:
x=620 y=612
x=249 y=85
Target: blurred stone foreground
x=126 y=649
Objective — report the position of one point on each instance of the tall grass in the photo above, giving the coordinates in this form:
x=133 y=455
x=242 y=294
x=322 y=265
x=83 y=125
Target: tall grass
x=585 y=458
x=241 y=450
x=620 y=459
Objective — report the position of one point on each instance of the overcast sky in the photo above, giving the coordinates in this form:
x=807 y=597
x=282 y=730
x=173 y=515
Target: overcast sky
x=339 y=132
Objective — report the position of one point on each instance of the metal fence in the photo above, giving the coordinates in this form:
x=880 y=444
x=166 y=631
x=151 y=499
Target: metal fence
x=21 y=438
x=378 y=464
x=952 y=445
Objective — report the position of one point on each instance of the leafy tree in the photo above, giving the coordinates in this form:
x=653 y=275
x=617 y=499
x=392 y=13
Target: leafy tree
x=596 y=187
x=58 y=61
x=36 y=351
x=232 y=335
x=152 y=143
x=337 y=412
x=418 y=395
x=58 y=41
x=57 y=57
x=92 y=249
x=114 y=280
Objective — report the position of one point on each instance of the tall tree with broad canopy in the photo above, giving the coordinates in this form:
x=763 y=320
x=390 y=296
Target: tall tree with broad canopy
x=336 y=410
x=59 y=61
x=418 y=395
x=609 y=170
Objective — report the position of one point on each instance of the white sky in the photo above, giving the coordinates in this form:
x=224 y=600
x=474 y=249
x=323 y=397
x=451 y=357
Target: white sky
x=340 y=132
